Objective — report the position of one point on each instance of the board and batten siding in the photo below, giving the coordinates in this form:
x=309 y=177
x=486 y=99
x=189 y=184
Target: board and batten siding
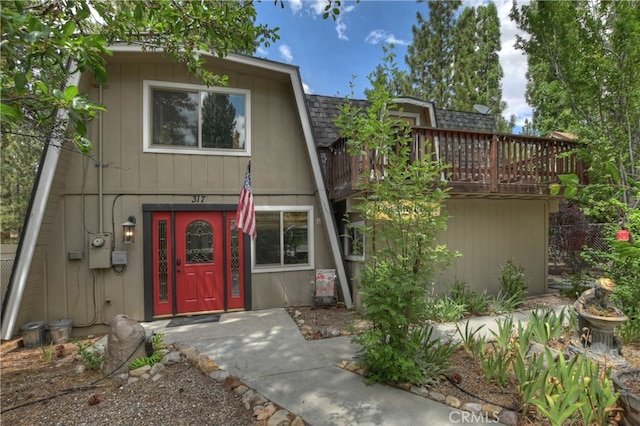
x=281 y=172
x=489 y=232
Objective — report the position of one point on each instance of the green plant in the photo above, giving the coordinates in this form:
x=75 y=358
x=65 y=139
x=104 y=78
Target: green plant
x=471 y=340
x=495 y=364
x=158 y=345
x=513 y=281
x=528 y=373
x=91 y=358
x=559 y=396
x=630 y=331
x=578 y=284
x=47 y=353
x=546 y=326
x=474 y=302
x=504 y=304
x=598 y=393
x=434 y=355
x=444 y=309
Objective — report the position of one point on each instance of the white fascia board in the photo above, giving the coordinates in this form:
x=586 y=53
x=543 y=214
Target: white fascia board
x=32 y=227
x=296 y=84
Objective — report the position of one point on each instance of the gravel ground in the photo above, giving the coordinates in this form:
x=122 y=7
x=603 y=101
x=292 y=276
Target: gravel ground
x=40 y=392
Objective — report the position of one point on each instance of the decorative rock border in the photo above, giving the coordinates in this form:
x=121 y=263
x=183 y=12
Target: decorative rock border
x=262 y=408
x=487 y=411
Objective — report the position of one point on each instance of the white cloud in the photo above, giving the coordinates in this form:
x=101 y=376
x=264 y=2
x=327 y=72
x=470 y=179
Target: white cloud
x=285 y=53
x=296 y=5
x=378 y=36
x=317 y=7
x=307 y=89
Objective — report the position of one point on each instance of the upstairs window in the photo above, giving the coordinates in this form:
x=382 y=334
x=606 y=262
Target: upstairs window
x=192 y=119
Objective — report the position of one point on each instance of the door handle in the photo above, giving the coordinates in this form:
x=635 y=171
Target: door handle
x=178 y=262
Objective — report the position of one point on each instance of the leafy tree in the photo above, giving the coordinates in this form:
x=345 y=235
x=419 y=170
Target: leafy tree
x=430 y=55
x=583 y=79
x=402 y=206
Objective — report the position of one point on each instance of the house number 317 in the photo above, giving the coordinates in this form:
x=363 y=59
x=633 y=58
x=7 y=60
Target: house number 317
x=198 y=199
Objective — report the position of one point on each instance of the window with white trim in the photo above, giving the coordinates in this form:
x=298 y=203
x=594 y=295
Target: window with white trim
x=194 y=119
x=285 y=238
x=353 y=241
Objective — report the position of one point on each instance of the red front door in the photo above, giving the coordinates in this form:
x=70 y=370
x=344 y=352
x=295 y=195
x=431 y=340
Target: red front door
x=199 y=262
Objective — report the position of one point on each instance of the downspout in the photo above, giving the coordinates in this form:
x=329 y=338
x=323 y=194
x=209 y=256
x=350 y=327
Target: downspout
x=33 y=222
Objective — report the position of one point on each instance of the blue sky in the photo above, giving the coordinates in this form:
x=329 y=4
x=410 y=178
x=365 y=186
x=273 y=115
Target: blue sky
x=329 y=53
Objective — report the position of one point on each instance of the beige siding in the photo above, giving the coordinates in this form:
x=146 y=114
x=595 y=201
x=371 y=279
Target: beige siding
x=281 y=172
x=487 y=233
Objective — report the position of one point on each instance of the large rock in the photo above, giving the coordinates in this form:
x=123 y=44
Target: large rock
x=125 y=343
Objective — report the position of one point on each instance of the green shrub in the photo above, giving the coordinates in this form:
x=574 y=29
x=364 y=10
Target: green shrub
x=444 y=309
x=504 y=304
x=91 y=358
x=513 y=282
x=158 y=346
x=474 y=302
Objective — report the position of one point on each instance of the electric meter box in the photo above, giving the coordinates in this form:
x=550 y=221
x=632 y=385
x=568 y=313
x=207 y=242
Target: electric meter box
x=99 y=251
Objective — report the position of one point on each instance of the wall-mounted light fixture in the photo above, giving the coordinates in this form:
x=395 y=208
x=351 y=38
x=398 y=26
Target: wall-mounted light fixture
x=129 y=230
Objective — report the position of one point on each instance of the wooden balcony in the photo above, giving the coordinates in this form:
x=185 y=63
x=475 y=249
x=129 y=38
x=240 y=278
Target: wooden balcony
x=479 y=163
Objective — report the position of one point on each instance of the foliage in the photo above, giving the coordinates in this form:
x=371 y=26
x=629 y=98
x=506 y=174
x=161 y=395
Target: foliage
x=546 y=326
x=472 y=340
x=570 y=230
x=433 y=356
x=444 y=309
x=473 y=302
x=91 y=358
x=47 y=353
x=578 y=283
x=593 y=95
x=158 y=346
x=401 y=204
x=504 y=304
x=513 y=282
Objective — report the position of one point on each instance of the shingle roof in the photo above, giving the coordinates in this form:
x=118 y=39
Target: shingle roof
x=324 y=109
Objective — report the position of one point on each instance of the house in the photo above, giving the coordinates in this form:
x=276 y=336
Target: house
x=499 y=201
x=145 y=225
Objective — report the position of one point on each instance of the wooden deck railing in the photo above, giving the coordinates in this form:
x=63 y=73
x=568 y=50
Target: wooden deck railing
x=478 y=162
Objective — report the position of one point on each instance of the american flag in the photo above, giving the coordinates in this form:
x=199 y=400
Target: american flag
x=245 y=215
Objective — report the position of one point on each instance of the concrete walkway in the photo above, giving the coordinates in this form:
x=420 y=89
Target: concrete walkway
x=267 y=352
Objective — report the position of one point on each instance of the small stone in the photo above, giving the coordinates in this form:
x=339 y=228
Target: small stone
x=246 y=397
x=437 y=396
x=240 y=390
x=509 y=418
x=420 y=391
x=279 y=418
x=297 y=421
x=207 y=365
x=452 y=401
x=265 y=412
x=351 y=367
x=140 y=371
x=297 y=313
x=258 y=399
x=404 y=385
x=472 y=407
x=231 y=382
x=171 y=358
x=145 y=376
x=156 y=377
x=132 y=380
x=219 y=376
x=343 y=364
x=156 y=368
x=80 y=369
x=491 y=411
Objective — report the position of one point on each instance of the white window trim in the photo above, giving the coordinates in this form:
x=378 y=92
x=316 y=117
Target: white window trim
x=146 y=120
x=281 y=268
x=403 y=114
x=345 y=240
